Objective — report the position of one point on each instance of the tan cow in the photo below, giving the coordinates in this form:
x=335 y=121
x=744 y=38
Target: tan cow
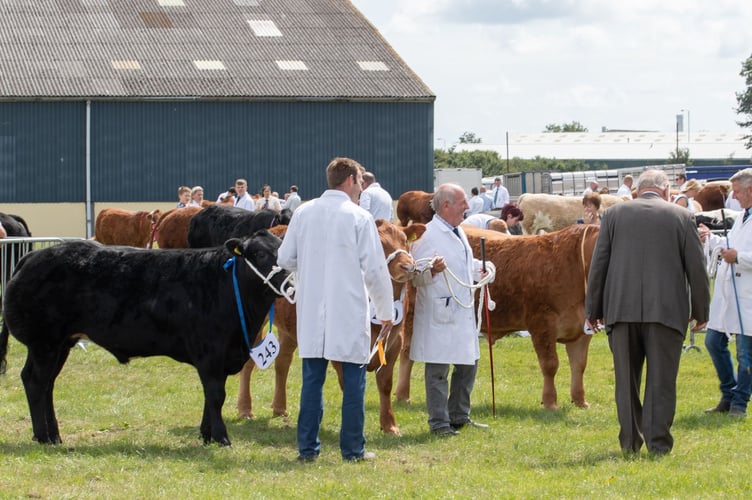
x=549 y=212
x=172 y=229
x=539 y=287
x=394 y=241
x=115 y=226
x=414 y=206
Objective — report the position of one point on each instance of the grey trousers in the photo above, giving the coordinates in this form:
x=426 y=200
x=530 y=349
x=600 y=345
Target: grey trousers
x=632 y=344
x=447 y=404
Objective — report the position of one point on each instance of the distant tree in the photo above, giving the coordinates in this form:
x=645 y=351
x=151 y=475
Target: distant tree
x=680 y=156
x=470 y=138
x=566 y=127
x=488 y=161
x=745 y=100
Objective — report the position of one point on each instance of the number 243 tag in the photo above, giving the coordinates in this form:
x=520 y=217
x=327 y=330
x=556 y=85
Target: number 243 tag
x=266 y=351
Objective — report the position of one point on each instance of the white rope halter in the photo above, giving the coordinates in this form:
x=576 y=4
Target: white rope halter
x=288 y=284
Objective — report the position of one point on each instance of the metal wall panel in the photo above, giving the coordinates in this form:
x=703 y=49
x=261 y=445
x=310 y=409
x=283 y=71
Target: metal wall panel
x=142 y=151
x=42 y=152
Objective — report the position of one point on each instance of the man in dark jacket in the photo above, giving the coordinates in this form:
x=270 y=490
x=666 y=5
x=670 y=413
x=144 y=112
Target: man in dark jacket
x=647 y=278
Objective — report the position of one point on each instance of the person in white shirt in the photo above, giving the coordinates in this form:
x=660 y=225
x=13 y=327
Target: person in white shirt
x=592 y=187
x=375 y=199
x=499 y=195
x=293 y=200
x=267 y=201
x=197 y=196
x=475 y=203
x=333 y=246
x=242 y=198
x=626 y=188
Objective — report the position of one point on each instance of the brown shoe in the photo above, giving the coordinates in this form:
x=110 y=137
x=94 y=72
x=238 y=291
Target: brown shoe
x=723 y=406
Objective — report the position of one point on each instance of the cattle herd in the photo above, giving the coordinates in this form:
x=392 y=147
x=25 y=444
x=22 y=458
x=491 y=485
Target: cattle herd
x=213 y=265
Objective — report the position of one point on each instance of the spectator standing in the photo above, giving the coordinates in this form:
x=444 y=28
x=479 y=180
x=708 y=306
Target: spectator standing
x=334 y=247
x=293 y=200
x=591 y=205
x=444 y=332
x=632 y=275
x=375 y=199
x=242 y=198
x=681 y=180
x=626 y=188
x=197 y=196
x=475 y=203
x=687 y=195
x=592 y=187
x=499 y=195
x=731 y=307
x=487 y=200
x=512 y=215
x=184 y=196
x=267 y=201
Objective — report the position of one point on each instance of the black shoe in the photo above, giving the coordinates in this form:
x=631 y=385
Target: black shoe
x=723 y=406
x=445 y=432
x=470 y=423
x=737 y=412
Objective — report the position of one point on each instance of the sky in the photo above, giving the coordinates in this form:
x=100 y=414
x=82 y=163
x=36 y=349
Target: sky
x=498 y=66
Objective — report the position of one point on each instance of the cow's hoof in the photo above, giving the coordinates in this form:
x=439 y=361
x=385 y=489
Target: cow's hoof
x=581 y=404
x=394 y=431
x=246 y=415
x=550 y=406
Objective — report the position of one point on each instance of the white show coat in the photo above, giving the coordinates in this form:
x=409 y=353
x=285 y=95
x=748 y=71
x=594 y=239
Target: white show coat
x=334 y=247
x=443 y=331
x=245 y=202
x=377 y=200
x=724 y=316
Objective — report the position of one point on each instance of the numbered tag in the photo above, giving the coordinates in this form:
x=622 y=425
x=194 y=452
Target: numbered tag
x=398 y=313
x=266 y=351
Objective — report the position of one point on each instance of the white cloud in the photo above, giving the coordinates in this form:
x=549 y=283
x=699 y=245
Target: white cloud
x=518 y=65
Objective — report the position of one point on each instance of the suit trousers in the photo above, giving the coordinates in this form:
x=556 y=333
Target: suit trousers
x=448 y=405
x=632 y=344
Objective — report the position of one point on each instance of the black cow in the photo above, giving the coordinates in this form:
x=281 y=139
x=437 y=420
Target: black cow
x=14 y=225
x=216 y=224
x=134 y=303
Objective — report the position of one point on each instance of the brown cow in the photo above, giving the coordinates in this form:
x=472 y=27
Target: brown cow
x=394 y=241
x=713 y=195
x=539 y=287
x=172 y=229
x=414 y=206
x=115 y=226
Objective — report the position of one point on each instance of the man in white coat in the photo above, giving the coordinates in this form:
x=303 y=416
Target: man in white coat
x=444 y=332
x=731 y=305
x=375 y=198
x=333 y=246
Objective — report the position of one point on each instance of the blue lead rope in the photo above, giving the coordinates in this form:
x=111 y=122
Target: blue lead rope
x=231 y=264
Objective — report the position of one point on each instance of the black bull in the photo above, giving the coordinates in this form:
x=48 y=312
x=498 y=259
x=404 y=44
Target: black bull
x=136 y=303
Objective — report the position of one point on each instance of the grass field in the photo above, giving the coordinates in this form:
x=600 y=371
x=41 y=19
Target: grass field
x=132 y=432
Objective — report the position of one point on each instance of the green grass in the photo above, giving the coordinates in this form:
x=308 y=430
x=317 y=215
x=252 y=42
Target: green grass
x=132 y=432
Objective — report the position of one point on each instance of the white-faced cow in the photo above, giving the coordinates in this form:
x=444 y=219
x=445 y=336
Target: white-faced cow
x=137 y=303
x=394 y=241
x=214 y=225
x=539 y=287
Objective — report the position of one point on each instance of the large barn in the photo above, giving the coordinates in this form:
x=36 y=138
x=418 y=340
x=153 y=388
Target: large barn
x=111 y=103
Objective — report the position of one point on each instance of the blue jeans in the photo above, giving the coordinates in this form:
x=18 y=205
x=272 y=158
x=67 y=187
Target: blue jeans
x=735 y=387
x=351 y=438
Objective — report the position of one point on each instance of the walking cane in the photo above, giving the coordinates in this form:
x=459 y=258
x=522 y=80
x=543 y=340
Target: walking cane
x=488 y=327
x=736 y=295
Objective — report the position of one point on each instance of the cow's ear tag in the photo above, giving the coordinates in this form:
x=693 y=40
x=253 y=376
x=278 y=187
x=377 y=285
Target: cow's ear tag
x=237 y=251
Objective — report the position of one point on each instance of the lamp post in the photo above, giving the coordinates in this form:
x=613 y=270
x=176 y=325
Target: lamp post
x=687 y=111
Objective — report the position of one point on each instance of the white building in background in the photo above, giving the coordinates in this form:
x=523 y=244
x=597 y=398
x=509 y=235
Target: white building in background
x=651 y=147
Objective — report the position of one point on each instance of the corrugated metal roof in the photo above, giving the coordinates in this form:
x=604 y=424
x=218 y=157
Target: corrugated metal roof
x=77 y=49
x=618 y=145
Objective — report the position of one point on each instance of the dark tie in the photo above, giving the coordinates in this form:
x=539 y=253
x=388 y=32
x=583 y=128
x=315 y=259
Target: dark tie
x=266 y=203
x=456 y=232
x=746 y=214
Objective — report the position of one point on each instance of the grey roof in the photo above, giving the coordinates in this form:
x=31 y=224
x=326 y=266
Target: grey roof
x=157 y=48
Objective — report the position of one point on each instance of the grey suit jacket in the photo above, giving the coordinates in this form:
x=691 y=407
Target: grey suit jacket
x=648 y=266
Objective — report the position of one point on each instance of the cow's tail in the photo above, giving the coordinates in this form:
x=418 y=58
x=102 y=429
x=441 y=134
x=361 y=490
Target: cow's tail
x=3 y=348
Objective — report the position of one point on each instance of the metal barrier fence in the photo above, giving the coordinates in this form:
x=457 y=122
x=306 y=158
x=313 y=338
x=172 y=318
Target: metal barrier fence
x=13 y=249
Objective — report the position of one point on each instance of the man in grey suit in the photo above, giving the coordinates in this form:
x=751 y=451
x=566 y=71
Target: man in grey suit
x=647 y=281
